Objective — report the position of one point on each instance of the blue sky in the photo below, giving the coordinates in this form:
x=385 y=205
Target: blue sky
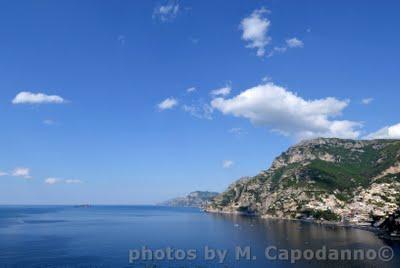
x=146 y=100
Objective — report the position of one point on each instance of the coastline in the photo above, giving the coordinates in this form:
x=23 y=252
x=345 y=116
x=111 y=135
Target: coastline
x=377 y=231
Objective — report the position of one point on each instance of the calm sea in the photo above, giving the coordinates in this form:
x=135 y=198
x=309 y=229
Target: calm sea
x=102 y=236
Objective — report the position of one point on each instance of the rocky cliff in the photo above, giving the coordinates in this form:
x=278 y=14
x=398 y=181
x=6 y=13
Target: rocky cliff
x=194 y=199
x=349 y=181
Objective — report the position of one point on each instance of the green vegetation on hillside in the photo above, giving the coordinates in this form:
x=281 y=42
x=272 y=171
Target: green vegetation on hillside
x=321 y=178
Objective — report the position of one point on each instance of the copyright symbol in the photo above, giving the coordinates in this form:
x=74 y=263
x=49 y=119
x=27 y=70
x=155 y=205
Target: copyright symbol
x=386 y=253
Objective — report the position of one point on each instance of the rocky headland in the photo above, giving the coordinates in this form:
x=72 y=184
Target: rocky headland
x=198 y=199
x=349 y=182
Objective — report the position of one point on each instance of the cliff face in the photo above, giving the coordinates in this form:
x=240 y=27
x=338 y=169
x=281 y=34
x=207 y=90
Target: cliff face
x=332 y=179
x=194 y=199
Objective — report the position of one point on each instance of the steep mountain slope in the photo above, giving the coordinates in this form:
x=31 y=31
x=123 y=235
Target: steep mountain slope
x=333 y=179
x=194 y=199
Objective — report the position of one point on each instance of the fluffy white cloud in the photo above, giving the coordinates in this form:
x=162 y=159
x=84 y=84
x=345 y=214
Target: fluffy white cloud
x=388 y=132
x=367 y=101
x=52 y=181
x=21 y=172
x=255 y=30
x=285 y=112
x=224 y=91
x=294 y=42
x=168 y=103
x=191 y=89
x=27 y=97
x=166 y=12
x=227 y=163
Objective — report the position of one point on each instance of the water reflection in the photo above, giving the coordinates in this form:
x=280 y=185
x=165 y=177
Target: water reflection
x=287 y=234
x=102 y=236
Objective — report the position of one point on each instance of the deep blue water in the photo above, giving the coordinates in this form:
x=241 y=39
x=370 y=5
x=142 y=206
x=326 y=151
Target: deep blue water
x=101 y=236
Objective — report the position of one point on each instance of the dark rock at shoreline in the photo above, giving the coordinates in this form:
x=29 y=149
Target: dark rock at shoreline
x=390 y=226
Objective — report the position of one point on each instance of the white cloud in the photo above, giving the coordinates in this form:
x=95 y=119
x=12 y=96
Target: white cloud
x=277 y=50
x=290 y=43
x=388 y=132
x=227 y=163
x=2 y=173
x=367 y=101
x=191 y=89
x=52 y=181
x=255 y=30
x=294 y=42
x=201 y=110
x=224 y=91
x=168 y=103
x=21 y=172
x=266 y=78
x=166 y=12
x=73 y=181
x=284 y=112
x=26 y=97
